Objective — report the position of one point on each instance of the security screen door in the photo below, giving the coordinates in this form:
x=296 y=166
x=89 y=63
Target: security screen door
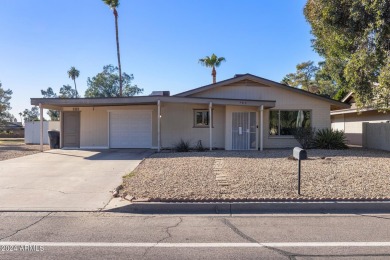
x=244 y=130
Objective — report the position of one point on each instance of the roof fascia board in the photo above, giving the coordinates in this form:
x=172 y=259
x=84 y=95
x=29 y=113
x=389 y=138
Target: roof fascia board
x=349 y=111
x=347 y=97
x=81 y=102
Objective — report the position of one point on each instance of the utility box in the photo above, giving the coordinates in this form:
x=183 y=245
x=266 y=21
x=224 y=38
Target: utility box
x=299 y=153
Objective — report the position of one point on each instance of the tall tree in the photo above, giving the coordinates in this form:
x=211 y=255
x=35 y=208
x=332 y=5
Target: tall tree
x=107 y=84
x=31 y=114
x=5 y=96
x=53 y=114
x=353 y=37
x=312 y=78
x=66 y=91
x=212 y=62
x=382 y=90
x=73 y=73
x=303 y=77
x=113 y=4
x=49 y=93
x=21 y=120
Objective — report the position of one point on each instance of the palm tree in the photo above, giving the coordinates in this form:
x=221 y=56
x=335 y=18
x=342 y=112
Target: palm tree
x=73 y=73
x=21 y=120
x=113 y=4
x=212 y=62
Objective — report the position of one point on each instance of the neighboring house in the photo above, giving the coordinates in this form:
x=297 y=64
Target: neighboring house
x=12 y=129
x=351 y=121
x=245 y=112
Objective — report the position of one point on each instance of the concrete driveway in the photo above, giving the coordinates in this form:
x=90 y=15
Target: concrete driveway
x=65 y=180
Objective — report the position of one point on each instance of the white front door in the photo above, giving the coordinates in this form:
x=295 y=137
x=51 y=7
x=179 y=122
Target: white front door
x=244 y=130
x=130 y=129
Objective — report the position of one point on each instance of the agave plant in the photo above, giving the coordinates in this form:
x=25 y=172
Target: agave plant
x=330 y=139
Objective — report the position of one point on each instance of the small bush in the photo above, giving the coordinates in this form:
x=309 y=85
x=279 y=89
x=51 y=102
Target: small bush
x=199 y=147
x=305 y=136
x=6 y=132
x=129 y=175
x=330 y=139
x=182 y=146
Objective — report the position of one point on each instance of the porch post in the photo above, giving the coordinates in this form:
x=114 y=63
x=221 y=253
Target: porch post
x=61 y=127
x=158 y=125
x=261 y=127
x=211 y=125
x=41 y=127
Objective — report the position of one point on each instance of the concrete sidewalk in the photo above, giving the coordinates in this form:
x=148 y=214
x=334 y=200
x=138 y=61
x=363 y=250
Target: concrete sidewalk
x=65 y=180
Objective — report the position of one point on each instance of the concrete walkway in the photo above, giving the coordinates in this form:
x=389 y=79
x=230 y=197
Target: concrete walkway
x=65 y=180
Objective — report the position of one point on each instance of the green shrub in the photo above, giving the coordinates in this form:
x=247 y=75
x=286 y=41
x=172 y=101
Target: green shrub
x=182 y=146
x=330 y=139
x=305 y=136
x=129 y=175
x=6 y=132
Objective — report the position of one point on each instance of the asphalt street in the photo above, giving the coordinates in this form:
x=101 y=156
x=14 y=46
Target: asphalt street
x=129 y=236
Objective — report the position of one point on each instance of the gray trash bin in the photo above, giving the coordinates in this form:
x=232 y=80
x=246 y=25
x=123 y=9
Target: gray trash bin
x=54 y=139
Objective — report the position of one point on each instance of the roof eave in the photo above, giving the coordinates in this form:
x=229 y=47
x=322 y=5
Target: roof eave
x=57 y=103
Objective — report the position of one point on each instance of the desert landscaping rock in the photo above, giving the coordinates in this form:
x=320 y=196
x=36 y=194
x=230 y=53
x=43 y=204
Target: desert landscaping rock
x=11 y=151
x=253 y=175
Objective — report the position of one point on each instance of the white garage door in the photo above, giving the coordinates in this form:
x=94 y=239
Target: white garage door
x=130 y=129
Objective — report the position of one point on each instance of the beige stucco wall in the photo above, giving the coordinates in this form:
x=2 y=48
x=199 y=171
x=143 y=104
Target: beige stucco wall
x=94 y=124
x=177 y=122
x=376 y=136
x=285 y=100
x=353 y=127
x=337 y=122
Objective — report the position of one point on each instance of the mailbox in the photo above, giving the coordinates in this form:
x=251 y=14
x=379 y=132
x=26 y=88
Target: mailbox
x=299 y=153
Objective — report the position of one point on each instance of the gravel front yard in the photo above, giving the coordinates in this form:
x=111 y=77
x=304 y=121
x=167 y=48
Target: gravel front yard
x=353 y=173
x=13 y=148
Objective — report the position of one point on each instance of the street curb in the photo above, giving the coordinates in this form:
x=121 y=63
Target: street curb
x=335 y=207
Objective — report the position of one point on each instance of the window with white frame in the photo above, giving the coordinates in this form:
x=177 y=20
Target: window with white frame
x=283 y=122
x=201 y=118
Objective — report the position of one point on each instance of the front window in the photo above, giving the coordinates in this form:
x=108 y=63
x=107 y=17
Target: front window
x=283 y=122
x=201 y=118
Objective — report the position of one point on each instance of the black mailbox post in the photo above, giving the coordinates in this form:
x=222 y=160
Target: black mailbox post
x=299 y=154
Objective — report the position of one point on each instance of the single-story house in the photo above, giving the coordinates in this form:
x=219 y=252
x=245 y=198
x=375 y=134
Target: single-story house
x=351 y=121
x=245 y=112
x=12 y=129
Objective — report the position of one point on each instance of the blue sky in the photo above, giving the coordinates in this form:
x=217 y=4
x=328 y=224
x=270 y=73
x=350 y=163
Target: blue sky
x=161 y=42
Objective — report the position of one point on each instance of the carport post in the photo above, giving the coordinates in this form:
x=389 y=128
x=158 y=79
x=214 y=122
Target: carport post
x=261 y=126
x=158 y=125
x=41 y=127
x=211 y=125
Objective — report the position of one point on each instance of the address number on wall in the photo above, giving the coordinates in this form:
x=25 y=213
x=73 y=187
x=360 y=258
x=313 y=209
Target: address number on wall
x=76 y=109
